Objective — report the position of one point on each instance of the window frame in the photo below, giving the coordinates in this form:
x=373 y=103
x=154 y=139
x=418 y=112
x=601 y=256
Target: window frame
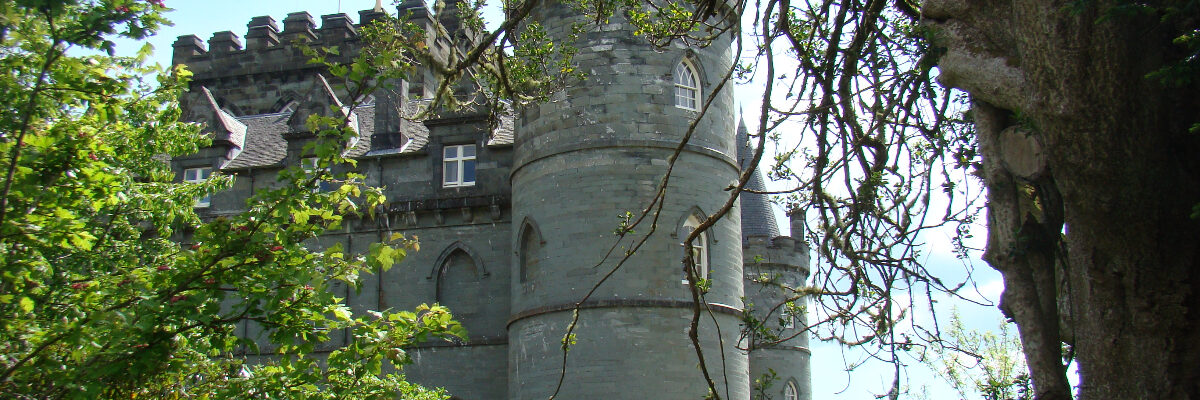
x=202 y=174
x=685 y=91
x=289 y=107
x=700 y=248
x=791 y=391
x=789 y=320
x=310 y=164
x=459 y=160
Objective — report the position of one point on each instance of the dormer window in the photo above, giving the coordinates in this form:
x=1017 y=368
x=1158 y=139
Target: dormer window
x=198 y=175
x=310 y=165
x=458 y=165
x=687 y=86
x=289 y=107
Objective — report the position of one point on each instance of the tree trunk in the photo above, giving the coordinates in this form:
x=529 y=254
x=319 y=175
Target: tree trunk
x=1092 y=176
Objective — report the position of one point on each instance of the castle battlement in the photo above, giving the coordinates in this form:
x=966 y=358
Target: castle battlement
x=778 y=252
x=266 y=70
x=266 y=45
x=788 y=252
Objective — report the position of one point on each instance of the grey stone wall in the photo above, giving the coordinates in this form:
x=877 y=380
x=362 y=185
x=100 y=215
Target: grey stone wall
x=597 y=150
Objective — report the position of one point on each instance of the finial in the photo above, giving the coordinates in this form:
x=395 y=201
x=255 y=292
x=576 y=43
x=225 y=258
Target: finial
x=378 y=5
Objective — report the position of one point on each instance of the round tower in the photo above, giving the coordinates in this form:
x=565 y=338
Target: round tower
x=779 y=361
x=596 y=151
x=774 y=266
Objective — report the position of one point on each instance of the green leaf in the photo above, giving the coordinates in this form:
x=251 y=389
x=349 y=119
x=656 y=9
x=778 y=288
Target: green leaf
x=342 y=313
x=26 y=304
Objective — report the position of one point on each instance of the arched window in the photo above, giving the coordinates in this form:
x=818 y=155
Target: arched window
x=790 y=392
x=458 y=284
x=687 y=86
x=290 y=106
x=699 y=247
x=530 y=252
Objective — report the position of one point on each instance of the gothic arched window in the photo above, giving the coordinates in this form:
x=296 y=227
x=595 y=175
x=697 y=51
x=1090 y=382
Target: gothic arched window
x=458 y=283
x=687 y=86
x=790 y=392
x=530 y=252
x=699 y=247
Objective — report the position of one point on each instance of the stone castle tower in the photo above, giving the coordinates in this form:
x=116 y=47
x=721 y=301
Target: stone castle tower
x=515 y=219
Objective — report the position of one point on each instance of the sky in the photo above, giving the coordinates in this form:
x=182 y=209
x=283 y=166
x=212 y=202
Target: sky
x=829 y=378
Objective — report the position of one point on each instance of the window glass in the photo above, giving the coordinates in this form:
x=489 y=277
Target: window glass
x=468 y=168
x=789 y=319
x=458 y=165
x=687 y=87
x=197 y=175
x=451 y=172
x=310 y=164
x=790 y=392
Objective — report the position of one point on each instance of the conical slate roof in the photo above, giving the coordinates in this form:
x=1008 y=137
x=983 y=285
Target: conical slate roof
x=758 y=218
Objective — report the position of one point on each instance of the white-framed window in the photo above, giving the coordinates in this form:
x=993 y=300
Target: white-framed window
x=310 y=164
x=458 y=165
x=291 y=106
x=788 y=319
x=699 y=248
x=687 y=86
x=791 y=392
x=197 y=175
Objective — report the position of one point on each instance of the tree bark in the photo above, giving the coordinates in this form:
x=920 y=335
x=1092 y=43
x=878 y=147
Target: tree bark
x=1093 y=233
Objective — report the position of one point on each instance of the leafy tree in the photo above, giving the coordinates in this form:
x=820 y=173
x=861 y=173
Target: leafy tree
x=989 y=364
x=99 y=298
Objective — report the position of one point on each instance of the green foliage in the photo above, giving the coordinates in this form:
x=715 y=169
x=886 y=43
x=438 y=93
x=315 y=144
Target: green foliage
x=989 y=364
x=762 y=384
x=98 y=298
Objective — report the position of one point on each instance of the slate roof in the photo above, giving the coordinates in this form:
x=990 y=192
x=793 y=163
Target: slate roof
x=758 y=218
x=502 y=134
x=264 y=141
x=265 y=145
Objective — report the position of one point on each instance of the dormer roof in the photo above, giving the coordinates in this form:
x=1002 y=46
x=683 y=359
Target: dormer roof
x=222 y=126
x=320 y=100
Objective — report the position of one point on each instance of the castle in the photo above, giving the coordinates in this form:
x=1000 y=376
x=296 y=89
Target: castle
x=514 y=218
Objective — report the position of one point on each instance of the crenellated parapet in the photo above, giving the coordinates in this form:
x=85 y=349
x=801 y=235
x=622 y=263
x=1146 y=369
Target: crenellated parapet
x=777 y=252
x=266 y=45
x=266 y=69
x=780 y=252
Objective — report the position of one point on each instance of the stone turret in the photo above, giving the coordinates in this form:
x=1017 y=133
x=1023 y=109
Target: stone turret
x=773 y=263
x=775 y=266
x=597 y=150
